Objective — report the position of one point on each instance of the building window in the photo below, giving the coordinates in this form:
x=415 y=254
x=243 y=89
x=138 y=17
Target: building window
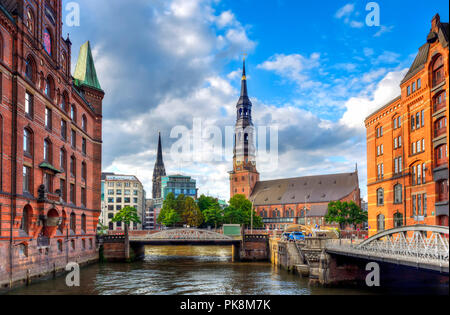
x=408 y=90
x=30 y=21
x=62 y=188
x=47 y=151
x=30 y=69
x=380 y=223
x=83 y=223
x=84 y=123
x=413 y=87
x=73 y=165
x=48 y=41
x=414 y=205
x=72 y=194
x=439 y=101
x=29 y=104
x=48 y=182
x=26 y=179
x=73 y=139
x=419 y=83
x=380 y=197
x=27 y=142
x=398 y=194
x=73 y=113
x=48 y=118
x=62 y=159
x=83 y=171
x=83 y=146
x=438 y=75
x=73 y=223
x=398 y=220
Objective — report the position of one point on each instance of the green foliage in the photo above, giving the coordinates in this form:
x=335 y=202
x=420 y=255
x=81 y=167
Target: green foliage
x=345 y=213
x=206 y=202
x=192 y=215
x=127 y=215
x=102 y=229
x=170 y=218
x=240 y=211
x=213 y=216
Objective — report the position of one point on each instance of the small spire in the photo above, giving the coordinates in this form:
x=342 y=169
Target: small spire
x=244 y=82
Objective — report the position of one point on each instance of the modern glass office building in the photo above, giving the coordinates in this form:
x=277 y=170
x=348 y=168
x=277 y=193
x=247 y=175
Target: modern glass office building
x=178 y=184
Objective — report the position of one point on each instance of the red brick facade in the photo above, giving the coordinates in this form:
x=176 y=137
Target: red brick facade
x=51 y=130
x=407 y=146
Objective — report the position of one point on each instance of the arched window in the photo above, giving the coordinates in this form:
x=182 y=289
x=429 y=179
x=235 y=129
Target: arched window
x=398 y=220
x=380 y=223
x=25 y=223
x=63 y=222
x=438 y=75
x=48 y=41
x=380 y=197
x=83 y=223
x=73 y=223
x=84 y=122
x=398 y=194
x=441 y=154
x=30 y=69
x=27 y=142
x=64 y=63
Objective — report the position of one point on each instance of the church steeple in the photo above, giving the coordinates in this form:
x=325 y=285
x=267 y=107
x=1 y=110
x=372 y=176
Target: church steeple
x=244 y=175
x=159 y=171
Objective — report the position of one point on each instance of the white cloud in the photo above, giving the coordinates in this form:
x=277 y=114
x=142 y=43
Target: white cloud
x=384 y=29
x=346 y=10
x=358 y=108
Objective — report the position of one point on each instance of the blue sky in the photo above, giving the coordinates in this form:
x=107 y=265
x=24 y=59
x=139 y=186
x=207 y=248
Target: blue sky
x=315 y=69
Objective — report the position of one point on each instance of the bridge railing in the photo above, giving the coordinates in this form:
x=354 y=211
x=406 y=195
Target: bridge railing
x=420 y=243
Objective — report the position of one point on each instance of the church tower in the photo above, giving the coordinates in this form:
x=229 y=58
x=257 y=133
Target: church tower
x=158 y=172
x=244 y=176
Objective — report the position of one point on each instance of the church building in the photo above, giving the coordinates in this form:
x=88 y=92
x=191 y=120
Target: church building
x=282 y=202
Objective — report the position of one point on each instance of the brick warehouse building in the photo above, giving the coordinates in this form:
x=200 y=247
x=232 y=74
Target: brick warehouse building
x=50 y=144
x=407 y=148
x=283 y=202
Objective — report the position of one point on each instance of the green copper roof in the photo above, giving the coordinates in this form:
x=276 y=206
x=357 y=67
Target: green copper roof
x=49 y=167
x=85 y=73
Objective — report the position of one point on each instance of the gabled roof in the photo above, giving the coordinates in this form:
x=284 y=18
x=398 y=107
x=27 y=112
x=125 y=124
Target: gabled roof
x=419 y=62
x=311 y=189
x=85 y=73
x=421 y=59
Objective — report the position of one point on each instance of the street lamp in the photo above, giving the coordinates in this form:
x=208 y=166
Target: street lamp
x=253 y=202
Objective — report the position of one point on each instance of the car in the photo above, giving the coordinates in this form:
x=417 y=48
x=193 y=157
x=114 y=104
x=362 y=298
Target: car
x=286 y=236
x=297 y=236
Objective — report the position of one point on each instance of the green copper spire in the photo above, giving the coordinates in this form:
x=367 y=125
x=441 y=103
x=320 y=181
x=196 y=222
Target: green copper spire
x=85 y=73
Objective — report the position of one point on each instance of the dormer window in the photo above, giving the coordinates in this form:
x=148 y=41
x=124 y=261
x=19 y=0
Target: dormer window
x=438 y=71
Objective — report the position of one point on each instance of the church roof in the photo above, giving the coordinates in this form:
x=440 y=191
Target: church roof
x=310 y=189
x=85 y=73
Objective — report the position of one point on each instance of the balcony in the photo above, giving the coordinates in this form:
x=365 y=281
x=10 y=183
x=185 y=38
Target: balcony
x=438 y=106
x=439 y=132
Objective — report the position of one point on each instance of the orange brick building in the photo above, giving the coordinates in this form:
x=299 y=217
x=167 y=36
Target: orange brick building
x=50 y=142
x=407 y=143
x=288 y=201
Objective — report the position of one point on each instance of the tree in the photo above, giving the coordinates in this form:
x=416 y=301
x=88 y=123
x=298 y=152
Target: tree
x=192 y=215
x=127 y=216
x=345 y=213
x=213 y=216
x=171 y=218
x=240 y=212
x=206 y=202
x=102 y=229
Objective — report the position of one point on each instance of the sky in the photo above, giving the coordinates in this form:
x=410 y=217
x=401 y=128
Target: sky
x=315 y=70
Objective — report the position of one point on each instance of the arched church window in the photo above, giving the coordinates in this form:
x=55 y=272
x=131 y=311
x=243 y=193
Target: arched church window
x=48 y=41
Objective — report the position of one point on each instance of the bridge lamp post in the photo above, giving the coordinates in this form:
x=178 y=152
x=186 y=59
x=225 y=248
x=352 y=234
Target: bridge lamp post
x=253 y=205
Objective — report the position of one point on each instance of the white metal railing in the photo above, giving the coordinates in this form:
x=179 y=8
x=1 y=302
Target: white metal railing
x=185 y=234
x=404 y=243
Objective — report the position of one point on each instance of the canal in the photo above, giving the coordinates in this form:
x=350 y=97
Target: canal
x=183 y=270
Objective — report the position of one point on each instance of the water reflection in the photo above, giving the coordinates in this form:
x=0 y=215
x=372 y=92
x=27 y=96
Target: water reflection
x=183 y=270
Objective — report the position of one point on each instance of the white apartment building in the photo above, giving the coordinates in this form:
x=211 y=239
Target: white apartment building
x=119 y=191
